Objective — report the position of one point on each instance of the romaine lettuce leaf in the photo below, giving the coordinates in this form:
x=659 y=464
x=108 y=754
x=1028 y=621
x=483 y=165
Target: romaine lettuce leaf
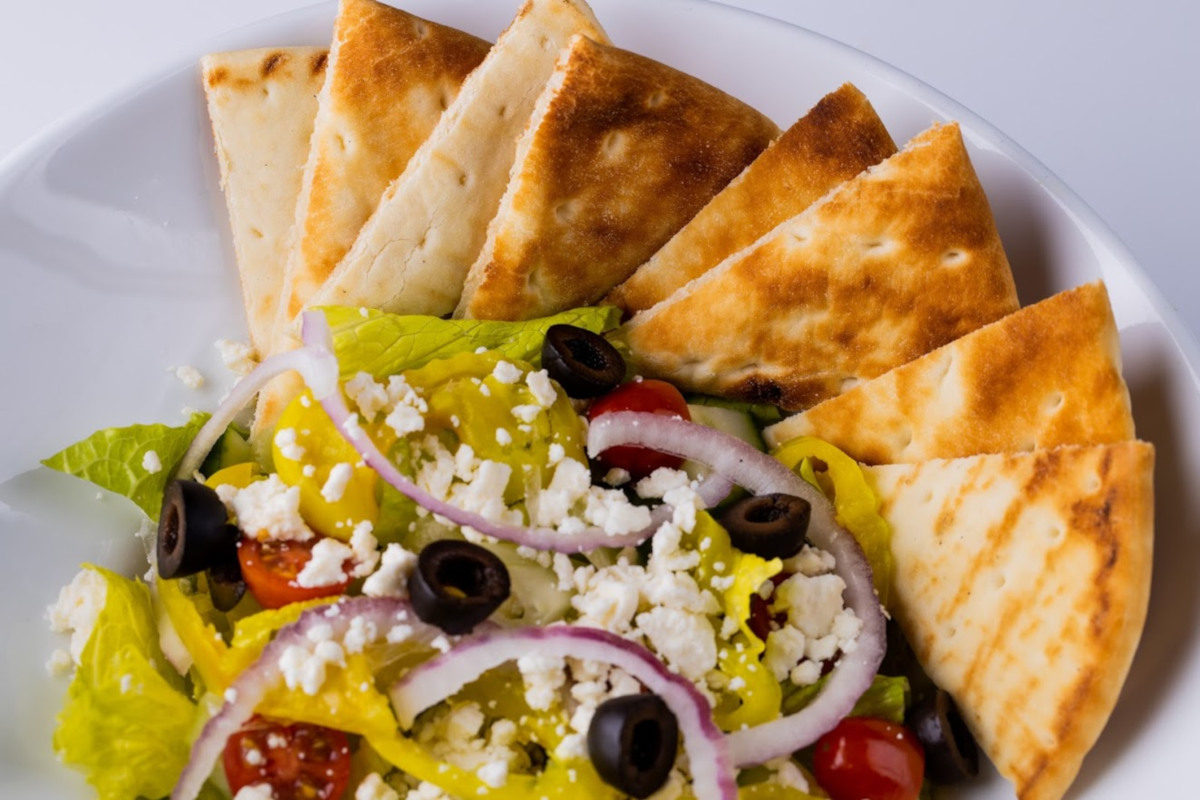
x=126 y=722
x=384 y=344
x=114 y=458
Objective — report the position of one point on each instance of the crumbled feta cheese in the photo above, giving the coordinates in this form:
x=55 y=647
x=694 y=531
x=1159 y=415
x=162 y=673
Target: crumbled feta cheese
x=238 y=357
x=465 y=722
x=306 y=669
x=662 y=480
x=785 y=649
x=555 y=454
x=255 y=791
x=810 y=562
x=151 y=462
x=544 y=676
x=617 y=477
x=189 y=376
x=391 y=579
x=254 y=757
x=79 y=604
x=325 y=568
x=285 y=440
x=541 y=388
x=610 y=598
x=805 y=673
x=405 y=419
x=684 y=639
x=267 y=509
x=503 y=437
x=787 y=774
x=526 y=413
x=60 y=663
x=362 y=632
x=507 y=373
x=335 y=485
x=811 y=603
x=374 y=788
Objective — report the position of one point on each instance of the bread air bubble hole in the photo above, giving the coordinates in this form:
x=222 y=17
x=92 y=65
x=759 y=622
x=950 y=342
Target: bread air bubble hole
x=614 y=144
x=463 y=178
x=1056 y=533
x=951 y=632
x=341 y=143
x=656 y=99
x=444 y=101
x=1093 y=484
x=1054 y=401
x=952 y=258
x=256 y=233
x=849 y=383
x=1027 y=445
x=999 y=580
x=904 y=439
x=545 y=43
x=928 y=497
x=565 y=212
x=502 y=112
x=420 y=28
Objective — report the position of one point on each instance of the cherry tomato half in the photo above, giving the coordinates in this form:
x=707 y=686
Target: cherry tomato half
x=297 y=760
x=866 y=757
x=270 y=570
x=654 y=397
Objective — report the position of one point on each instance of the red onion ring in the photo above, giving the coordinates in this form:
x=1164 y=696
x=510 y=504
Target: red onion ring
x=761 y=474
x=433 y=681
x=261 y=676
x=315 y=333
x=317 y=366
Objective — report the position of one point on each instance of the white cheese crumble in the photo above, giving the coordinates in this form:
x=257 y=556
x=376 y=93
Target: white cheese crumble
x=391 y=579
x=305 y=668
x=189 y=376
x=151 y=462
x=374 y=788
x=79 y=604
x=255 y=791
x=267 y=509
x=541 y=388
x=238 y=357
x=285 y=440
x=507 y=373
x=335 y=485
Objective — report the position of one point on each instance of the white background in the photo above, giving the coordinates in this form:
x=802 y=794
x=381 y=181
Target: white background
x=1106 y=94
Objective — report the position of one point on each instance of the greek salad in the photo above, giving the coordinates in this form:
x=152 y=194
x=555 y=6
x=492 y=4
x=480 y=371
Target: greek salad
x=480 y=560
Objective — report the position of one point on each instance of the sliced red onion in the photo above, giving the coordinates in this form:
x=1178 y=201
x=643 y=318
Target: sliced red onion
x=438 y=679
x=260 y=677
x=315 y=332
x=762 y=474
x=316 y=365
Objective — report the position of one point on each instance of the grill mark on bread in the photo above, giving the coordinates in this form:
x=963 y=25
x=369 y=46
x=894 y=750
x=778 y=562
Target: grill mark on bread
x=318 y=63
x=273 y=62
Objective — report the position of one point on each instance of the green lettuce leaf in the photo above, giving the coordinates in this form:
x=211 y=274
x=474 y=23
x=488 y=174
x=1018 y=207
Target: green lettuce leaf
x=887 y=698
x=113 y=459
x=126 y=722
x=384 y=344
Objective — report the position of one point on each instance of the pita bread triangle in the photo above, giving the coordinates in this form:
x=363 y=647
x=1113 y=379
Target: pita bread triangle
x=620 y=152
x=261 y=104
x=899 y=260
x=1046 y=375
x=413 y=254
x=1022 y=583
x=390 y=77
x=839 y=138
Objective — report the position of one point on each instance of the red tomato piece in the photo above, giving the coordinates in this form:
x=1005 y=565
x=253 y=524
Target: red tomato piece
x=270 y=570
x=297 y=760
x=866 y=757
x=650 y=396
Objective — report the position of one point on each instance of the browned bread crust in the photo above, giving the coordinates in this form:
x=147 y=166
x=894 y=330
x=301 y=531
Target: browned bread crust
x=620 y=153
x=839 y=138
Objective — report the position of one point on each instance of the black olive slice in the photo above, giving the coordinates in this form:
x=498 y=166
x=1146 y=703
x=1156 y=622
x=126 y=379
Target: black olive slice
x=768 y=525
x=950 y=752
x=633 y=741
x=583 y=363
x=193 y=530
x=457 y=585
x=225 y=582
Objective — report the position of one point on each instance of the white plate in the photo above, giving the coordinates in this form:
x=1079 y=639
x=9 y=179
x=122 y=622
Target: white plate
x=115 y=251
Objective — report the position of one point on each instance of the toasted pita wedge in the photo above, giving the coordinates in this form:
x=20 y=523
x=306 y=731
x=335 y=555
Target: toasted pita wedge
x=262 y=104
x=1022 y=582
x=413 y=254
x=839 y=138
x=620 y=152
x=1047 y=375
x=899 y=260
x=390 y=76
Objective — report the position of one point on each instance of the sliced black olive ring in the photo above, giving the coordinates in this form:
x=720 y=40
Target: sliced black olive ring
x=457 y=585
x=193 y=530
x=768 y=525
x=585 y=364
x=633 y=741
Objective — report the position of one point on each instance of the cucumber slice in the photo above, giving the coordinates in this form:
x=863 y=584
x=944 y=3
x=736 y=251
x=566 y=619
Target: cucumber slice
x=232 y=448
x=739 y=424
